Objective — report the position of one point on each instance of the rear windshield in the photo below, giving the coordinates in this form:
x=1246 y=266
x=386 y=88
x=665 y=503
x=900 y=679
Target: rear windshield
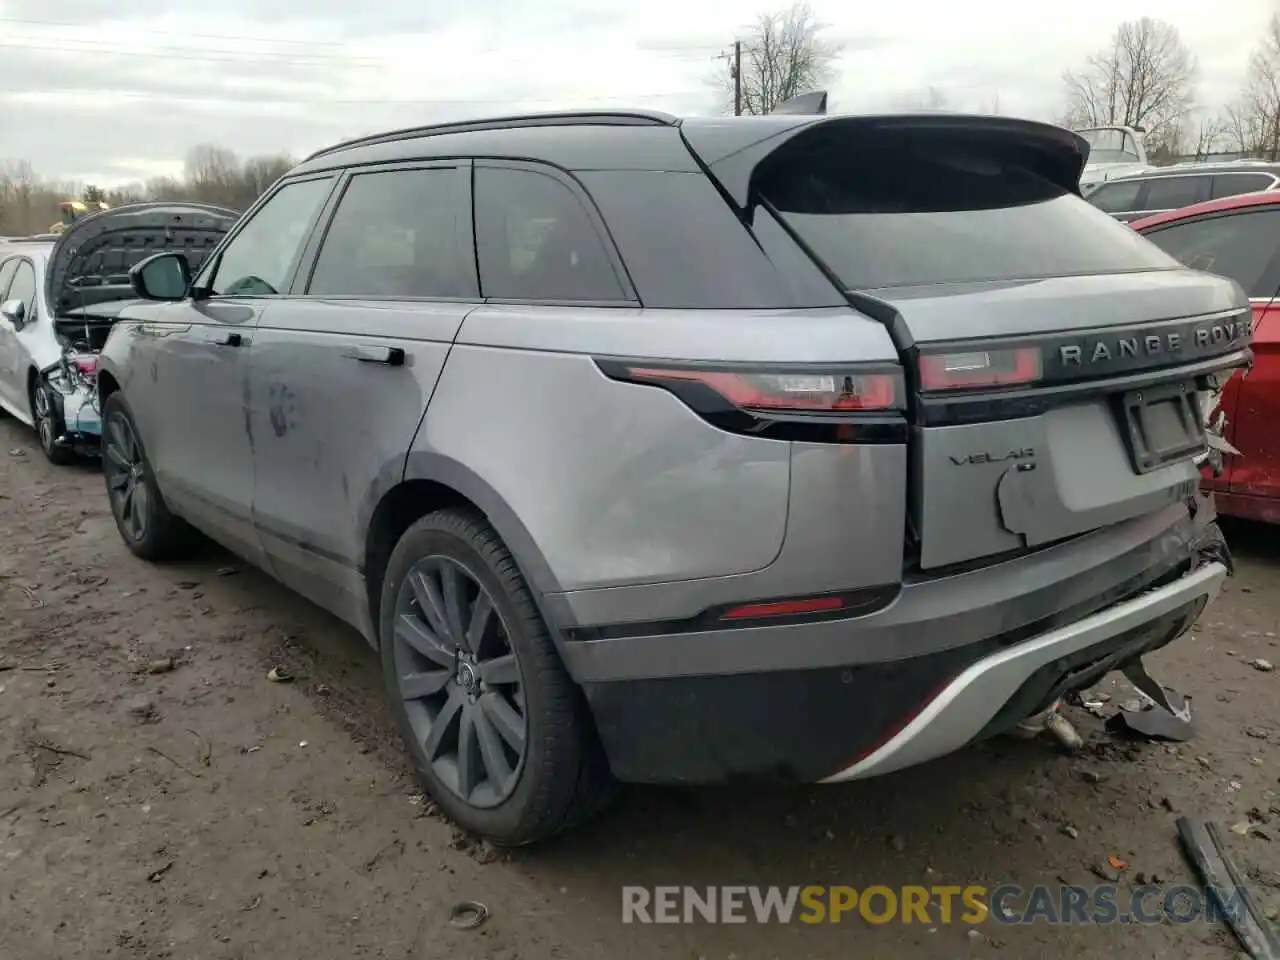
x=905 y=216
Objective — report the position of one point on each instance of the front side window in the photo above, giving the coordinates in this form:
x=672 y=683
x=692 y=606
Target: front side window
x=396 y=234
x=1239 y=245
x=7 y=270
x=260 y=258
x=535 y=241
x=23 y=288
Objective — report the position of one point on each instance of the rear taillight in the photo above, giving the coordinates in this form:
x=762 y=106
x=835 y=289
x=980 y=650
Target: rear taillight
x=979 y=369
x=87 y=366
x=829 y=404
x=827 y=391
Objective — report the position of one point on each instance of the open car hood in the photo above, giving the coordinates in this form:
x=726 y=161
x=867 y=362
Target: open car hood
x=90 y=262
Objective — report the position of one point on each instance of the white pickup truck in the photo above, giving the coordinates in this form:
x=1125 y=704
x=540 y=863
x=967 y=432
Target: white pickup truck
x=1113 y=152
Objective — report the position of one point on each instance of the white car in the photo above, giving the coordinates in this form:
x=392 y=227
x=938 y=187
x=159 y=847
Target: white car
x=59 y=296
x=46 y=381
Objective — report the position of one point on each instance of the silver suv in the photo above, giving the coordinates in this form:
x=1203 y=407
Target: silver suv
x=790 y=447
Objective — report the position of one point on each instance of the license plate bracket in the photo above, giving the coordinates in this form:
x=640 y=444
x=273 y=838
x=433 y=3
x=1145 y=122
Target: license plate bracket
x=1161 y=424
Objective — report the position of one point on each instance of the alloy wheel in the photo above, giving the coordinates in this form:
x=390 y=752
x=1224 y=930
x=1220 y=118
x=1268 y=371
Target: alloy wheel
x=44 y=418
x=460 y=681
x=127 y=481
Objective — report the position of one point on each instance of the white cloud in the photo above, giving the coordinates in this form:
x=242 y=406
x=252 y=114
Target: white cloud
x=89 y=96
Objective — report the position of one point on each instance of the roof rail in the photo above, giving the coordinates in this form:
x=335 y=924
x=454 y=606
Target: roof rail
x=569 y=118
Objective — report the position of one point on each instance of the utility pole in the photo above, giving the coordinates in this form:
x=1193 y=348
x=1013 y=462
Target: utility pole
x=737 y=78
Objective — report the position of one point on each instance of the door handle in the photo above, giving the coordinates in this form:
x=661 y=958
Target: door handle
x=230 y=340
x=390 y=356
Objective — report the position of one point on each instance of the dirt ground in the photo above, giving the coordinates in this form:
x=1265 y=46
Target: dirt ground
x=205 y=812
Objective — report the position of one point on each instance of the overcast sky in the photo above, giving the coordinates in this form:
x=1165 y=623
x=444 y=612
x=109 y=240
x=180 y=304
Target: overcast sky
x=90 y=96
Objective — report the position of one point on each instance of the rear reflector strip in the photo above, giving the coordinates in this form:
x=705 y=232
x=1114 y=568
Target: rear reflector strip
x=784 y=608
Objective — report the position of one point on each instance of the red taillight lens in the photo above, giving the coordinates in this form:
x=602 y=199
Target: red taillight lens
x=800 y=392
x=974 y=369
x=88 y=366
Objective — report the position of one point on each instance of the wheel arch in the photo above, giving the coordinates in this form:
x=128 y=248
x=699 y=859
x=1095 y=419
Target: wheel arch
x=432 y=482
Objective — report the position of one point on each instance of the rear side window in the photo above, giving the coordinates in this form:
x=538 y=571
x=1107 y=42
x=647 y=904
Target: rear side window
x=1117 y=197
x=397 y=234
x=1234 y=184
x=535 y=241
x=1169 y=193
x=1239 y=245
x=6 y=274
x=909 y=215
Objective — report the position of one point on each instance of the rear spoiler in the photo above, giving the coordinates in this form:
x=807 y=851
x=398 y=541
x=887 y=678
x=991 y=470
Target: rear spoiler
x=734 y=148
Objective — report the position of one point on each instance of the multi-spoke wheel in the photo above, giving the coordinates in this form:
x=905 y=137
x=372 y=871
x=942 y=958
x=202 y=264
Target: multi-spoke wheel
x=141 y=516
x=498 y=731
x=460 y=681
x=47 y=417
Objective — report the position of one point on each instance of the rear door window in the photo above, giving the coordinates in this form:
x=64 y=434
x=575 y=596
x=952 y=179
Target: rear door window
x=1169 y=193
x=535 y=240
x=910 y=215
x=1117 y=197
x=1234 y=184
x=397 y=233
x=1241 y=246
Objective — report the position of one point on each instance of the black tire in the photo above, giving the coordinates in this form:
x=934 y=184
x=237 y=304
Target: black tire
x=160 y=535
x=46 y=415
x=562 y=778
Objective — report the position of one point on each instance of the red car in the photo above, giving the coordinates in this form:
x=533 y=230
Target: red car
x=1239 y=237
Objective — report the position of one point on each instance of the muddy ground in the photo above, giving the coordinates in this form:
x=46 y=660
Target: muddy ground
x=205 y=812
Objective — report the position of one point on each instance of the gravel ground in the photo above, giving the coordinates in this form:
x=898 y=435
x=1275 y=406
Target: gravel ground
x=159 y=797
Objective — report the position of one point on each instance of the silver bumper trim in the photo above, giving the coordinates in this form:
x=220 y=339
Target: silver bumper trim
x=965 y=707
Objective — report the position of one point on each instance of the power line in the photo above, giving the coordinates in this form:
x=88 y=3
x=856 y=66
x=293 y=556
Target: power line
x=322 y=102
x=87 y=46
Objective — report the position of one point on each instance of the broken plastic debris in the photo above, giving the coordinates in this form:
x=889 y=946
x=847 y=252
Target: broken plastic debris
x=279 y=675
x=302 y=743
x=1117 y=863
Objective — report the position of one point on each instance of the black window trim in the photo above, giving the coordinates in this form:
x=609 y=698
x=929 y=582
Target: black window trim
x=1270 y=278
x=16 y=258
x=465 y=239
x=214 y=261
x=36 y=284
x=630 y=298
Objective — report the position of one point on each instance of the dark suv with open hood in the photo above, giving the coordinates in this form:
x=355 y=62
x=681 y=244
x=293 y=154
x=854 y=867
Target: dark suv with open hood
x=795 y=447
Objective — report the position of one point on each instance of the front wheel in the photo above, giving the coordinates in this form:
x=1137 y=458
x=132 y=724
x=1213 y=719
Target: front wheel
x=48 y=423
x=498 y=732
x=147 y=527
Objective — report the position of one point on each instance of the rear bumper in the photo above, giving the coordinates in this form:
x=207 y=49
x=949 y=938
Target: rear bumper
x=846 y=716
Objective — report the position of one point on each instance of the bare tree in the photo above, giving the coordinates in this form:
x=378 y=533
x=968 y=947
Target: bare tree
x=1254 y=121
x=1208 y=133
x=783 y=56
x=991 y=105
x=30 y=204
x=1144 y=78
